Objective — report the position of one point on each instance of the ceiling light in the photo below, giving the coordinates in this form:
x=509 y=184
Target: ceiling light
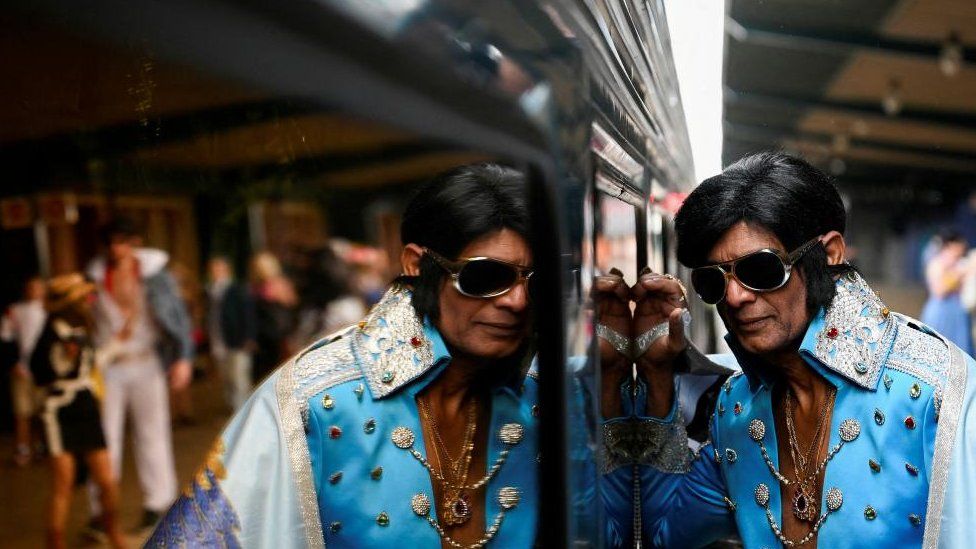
x=891 y=102
x=950 y=58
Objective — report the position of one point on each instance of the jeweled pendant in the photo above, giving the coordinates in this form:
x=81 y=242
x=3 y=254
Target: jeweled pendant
x=804 y=507
x=457 y=510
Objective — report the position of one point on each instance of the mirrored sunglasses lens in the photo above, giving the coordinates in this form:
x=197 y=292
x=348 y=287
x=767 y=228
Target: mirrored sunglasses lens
x=486 y=277
x=709 y=284
x=761 y=271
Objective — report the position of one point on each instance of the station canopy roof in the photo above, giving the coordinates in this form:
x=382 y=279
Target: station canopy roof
x=876 y=91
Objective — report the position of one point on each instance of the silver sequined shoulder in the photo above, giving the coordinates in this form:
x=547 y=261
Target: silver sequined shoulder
x=325 y=364
x=920 y=352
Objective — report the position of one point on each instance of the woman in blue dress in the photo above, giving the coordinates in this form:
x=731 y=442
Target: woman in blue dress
x=944 y=276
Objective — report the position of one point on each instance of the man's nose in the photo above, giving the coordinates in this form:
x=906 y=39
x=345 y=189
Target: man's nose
x=737 y=295
x=516 y=299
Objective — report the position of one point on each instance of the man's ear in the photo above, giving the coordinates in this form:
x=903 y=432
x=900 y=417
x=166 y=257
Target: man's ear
x=833 y=243
x=410 y=259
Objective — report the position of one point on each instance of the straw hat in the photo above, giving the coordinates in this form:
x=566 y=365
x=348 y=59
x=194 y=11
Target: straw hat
x=65 y=290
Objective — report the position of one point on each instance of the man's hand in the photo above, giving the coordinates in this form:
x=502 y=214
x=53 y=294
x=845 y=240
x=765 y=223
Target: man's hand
x=659 y=298
x=180 y=374
x=611 y=297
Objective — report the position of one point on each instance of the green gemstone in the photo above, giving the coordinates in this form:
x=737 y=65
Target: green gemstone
x=335 y=527
x=359 y=390
x=383 y=519
x=915 y=391
x=915 y=519
x=376 y=473
x=875 y=466
x=879 y=416
x=369 y=426
x=870 y=513
x=388 y=376
x=335 y=477
x=887 y=382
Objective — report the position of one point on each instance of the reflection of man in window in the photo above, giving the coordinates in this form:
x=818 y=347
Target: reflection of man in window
x=847 y=423
x=413 y=428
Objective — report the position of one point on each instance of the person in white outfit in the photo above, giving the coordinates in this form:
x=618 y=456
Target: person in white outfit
x=138 y=311
x=22 y=323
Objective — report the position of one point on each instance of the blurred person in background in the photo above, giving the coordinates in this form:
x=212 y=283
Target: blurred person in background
x=181 y=400
x=231 y=327
x=22 y=324
x=329 y=302
x=944 y=276
x=64 y=362
x=275 y=303
x=138 y=307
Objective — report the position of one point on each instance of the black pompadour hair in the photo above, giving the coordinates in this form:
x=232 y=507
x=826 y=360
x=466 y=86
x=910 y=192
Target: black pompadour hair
x=777 y=192
x=454 y=209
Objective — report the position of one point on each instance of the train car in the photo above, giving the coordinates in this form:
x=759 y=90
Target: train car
x=234 y=112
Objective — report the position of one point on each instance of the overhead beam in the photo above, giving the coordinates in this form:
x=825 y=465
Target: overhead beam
x=777 y=133
x=118 y=139
x=836 y=43
x=902 y=154
x=788 y=103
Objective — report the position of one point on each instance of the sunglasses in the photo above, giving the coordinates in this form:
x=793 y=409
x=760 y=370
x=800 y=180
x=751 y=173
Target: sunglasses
x=482 y=276
x=760 y=271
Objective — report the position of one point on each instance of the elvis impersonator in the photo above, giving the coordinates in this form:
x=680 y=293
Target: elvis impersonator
x=843 y=424
x=415 y=428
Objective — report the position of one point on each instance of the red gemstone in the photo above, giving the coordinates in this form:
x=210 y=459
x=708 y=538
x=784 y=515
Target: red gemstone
x=910 y=422
x=415 y=341
x=335 y=432
x=737 y=409
x=832 y=333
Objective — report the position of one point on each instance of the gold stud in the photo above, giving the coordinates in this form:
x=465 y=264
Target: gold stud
x=511 y=433
x=402 y=437
x=327 y=402
x=420 y=504
x=508 y=497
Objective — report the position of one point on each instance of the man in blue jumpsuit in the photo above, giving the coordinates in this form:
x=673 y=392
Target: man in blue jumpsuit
x=845 y=424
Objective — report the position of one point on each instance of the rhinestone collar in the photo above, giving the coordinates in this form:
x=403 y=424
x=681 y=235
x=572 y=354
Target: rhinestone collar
x=849 y=341
x=395 y=348
x=854 y=335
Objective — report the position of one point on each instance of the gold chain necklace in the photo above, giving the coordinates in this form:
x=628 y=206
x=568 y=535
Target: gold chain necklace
x=806 y=505
x=457 y=504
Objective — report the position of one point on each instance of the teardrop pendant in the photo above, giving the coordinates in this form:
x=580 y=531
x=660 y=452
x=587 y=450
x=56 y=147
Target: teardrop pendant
x=804 y=506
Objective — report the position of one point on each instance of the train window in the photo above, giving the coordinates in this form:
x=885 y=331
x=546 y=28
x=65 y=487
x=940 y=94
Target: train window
x=302 y=197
